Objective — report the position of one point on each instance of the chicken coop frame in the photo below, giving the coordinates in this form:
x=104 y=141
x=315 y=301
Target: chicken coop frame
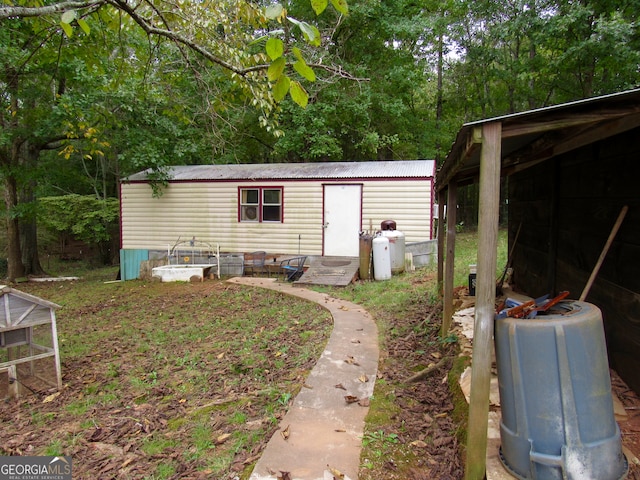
x=23 y=320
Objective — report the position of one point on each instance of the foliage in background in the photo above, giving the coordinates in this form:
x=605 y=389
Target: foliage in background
x=93 y=221
x=118 y=89
x=433 y=65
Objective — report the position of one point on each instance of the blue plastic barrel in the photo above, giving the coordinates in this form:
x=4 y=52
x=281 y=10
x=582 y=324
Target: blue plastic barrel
x=555 y=397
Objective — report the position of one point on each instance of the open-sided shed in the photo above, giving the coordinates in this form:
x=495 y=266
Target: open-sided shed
x=572 y=170
x=306 y=208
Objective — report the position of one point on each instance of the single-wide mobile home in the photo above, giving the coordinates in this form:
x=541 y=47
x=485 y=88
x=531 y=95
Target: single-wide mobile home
x=307 y=208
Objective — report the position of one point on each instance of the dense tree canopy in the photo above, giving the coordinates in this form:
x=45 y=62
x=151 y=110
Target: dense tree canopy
x=95 y=90
x=114 y=87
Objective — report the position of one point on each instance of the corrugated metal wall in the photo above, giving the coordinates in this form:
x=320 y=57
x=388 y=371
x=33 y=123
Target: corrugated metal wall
x=208 y=211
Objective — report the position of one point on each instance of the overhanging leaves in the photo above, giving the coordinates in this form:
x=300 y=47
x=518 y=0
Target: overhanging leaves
x=299 y=94
x=341 y=6
x=68 y=31
x=311 y=33
x=274 y=12
x=281 y=88
x=84 y=26
x=319 y=6
x=276 y=68
x=304 y=70
x=274 y=48
x=68 y=16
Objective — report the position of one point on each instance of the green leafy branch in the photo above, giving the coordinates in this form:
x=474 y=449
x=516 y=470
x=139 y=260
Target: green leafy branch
x=275 y=49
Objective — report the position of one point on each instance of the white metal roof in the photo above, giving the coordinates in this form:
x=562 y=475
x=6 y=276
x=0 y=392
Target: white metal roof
x=297 y=171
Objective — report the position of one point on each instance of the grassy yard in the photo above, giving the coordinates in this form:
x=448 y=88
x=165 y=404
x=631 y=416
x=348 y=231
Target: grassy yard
x=189 y=380
x=166 y=381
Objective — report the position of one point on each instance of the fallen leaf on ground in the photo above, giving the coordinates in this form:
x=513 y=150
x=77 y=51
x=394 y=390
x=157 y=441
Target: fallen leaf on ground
x=50 y=398
x=350 y=399
x=222 y=438
x=442 y=441
x=284 y=476
x=250 y=460
x=363 y=378
x=418 y=444
x=340 y=386
x=285 y=433
x=364 y=402
x=351 y=361
x=337 y=474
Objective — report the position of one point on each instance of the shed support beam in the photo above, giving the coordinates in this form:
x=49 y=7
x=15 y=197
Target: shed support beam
x=447 y=302
x=441 y=237
x=488 y=217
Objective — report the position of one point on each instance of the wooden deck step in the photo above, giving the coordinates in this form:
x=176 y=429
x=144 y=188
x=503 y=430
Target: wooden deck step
x=333 y=271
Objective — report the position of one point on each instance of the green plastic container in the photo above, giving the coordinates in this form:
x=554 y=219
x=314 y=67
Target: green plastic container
x=555 y=396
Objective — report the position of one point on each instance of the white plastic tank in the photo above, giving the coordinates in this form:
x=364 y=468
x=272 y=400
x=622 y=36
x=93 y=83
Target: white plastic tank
x=381 y=258
x=396 y=245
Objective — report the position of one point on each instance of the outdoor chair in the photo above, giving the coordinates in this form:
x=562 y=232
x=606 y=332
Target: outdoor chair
x=292 y=268
x=255 y=262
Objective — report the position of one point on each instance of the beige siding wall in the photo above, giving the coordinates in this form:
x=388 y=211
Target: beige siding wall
x=208 y=211
x=408 y=203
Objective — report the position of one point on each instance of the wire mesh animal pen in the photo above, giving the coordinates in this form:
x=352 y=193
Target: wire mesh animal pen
x=29 y=355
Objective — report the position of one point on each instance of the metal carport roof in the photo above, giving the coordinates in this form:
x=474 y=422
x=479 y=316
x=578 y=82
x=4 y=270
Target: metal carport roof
x=536 y=135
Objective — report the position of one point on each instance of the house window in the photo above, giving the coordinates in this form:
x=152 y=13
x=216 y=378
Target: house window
x=261 y=204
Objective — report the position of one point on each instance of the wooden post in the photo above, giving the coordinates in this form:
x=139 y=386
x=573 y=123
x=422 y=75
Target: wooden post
x=14 y=386
x=488 y=219
x=447 y=302
x=56 y=350
x=441 y=238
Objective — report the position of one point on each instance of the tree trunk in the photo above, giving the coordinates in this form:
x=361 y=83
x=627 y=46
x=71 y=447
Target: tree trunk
x=8 y=156
x=15 y=267
x=29 y=246
x=28 y=223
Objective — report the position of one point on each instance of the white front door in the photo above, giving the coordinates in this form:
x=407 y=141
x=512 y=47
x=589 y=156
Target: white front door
x=342 y=220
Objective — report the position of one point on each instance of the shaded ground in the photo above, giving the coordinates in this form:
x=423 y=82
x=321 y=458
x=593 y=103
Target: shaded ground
x=629 y=424
x=421 y=427
x=425 y=419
